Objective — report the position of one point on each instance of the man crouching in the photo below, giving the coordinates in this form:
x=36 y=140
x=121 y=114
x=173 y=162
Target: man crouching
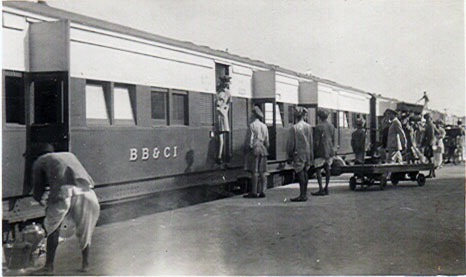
x=71 y=199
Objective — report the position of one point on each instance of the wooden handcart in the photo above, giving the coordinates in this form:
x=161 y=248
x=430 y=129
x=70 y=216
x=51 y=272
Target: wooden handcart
x=377 y=174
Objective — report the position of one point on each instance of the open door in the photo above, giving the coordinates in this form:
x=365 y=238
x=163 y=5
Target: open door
x=48 y=119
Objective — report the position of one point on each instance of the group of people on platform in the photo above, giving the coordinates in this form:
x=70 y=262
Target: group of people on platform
x=305 y=149
x=405 y=138
x=419 y=141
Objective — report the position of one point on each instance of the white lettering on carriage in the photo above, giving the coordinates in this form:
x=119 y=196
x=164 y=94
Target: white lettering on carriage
x=133 y=154
x=146 y=153
x=166 y=152
x=156 y=153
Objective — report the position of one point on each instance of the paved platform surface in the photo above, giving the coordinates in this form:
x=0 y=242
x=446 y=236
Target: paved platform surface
x=402 y=230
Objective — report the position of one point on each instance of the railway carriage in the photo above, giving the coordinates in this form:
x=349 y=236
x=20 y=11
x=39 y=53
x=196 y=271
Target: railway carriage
x=139 y=110
x=345 y=104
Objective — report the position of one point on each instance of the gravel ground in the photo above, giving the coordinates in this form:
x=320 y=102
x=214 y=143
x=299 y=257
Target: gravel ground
x=402 y=230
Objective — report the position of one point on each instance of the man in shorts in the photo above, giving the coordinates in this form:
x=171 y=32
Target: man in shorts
x=256 y=154
x=300 y=152
x=324 y=150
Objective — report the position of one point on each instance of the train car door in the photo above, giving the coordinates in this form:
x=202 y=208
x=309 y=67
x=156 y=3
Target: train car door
x=48 y=119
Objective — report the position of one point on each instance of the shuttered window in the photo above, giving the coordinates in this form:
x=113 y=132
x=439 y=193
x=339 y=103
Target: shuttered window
x=240 y=113
x=179 y=108
x=159 y=106
x=206 y=109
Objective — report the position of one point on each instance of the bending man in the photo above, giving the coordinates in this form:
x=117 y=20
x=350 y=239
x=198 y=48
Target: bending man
x=70 y=199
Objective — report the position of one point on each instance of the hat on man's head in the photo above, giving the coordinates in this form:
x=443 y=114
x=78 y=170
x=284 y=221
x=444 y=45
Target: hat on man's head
x=439 y=121
x=225 y=79
x=405 y=115
x=360 y=122
x=427 y=115
x=390 y=111
x=323 y=114
x=300 y=111
x=257 y=111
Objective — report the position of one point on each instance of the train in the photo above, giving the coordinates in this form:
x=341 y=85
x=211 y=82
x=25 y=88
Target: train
x=138 y=109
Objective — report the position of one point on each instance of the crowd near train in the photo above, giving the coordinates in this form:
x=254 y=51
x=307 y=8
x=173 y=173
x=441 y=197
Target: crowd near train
x=146 y=114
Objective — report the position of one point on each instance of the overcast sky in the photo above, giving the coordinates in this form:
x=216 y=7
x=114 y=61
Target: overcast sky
x=394 y=48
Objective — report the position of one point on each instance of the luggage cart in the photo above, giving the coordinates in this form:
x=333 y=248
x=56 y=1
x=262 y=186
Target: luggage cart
x=377 y=174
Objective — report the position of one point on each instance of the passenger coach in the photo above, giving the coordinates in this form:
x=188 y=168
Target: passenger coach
x=139 y=110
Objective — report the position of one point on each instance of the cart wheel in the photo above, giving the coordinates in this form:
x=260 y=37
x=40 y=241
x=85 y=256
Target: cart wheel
x=383 y=181
x=394 y=179
x=421 y=179
x=352 y=183
x=413 y=176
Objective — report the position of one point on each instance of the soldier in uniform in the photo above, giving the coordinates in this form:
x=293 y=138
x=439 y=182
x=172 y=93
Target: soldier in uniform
x=300 y=152
x=324 y=150
x=256 y=154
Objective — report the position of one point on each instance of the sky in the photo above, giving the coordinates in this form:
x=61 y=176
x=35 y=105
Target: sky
x=396 y=48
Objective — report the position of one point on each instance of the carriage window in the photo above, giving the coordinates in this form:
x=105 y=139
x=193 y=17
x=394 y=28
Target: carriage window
x=343 y=120
x=123 y=111
x=96 y=104
x=333 y=117
x=279 y=114
x=206 y=112
x=268 y=114
x=291 y=114
x=240 y=113
x=14 y=100
x=159 y=106
x=355 y=118
x=179 y=108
